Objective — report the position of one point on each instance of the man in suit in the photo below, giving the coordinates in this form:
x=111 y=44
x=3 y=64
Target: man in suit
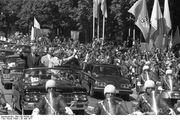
x=31 y=58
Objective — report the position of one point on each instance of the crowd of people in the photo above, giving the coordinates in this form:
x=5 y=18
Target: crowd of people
x=147 y=70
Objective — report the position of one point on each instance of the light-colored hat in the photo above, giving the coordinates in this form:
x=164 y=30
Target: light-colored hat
x=145 y=67
x=50 y=84
x=149 y=84
x=109 y=89
x=169 y=72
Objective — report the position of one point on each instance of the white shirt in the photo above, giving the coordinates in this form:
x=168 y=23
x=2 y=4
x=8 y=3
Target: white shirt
x=46 y=59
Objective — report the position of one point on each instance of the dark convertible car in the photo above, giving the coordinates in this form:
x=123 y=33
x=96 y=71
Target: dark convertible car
x=31 y=87
x=97 y=76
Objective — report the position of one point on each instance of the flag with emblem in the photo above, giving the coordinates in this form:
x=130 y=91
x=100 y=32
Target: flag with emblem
x=139 y=10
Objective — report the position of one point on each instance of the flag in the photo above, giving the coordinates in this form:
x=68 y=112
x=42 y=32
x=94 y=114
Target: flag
x=176 y=39
x=96 y=4
x=36 y=24
x=32 y=33
x=167 y=17
x=139 y=10
x=157 y=25
x=35 y=30
x=104 y=8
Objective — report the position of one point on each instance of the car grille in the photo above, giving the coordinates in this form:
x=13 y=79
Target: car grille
x=68 y=97
x=6 y=71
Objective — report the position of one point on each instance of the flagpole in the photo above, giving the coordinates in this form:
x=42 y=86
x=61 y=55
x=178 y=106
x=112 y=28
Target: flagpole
x=103 y=35
x=94 y=19
x=98 y=24
x=93 y=27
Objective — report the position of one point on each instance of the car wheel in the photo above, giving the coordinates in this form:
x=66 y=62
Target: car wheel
x=91 y=92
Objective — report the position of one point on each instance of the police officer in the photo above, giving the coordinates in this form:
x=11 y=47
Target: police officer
x=52 y=104
x=149 y=103
x=109 y=106
x=4 y=106
x=142 y=79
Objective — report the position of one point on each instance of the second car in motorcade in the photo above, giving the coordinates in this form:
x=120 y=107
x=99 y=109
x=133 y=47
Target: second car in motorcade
x=97 y=76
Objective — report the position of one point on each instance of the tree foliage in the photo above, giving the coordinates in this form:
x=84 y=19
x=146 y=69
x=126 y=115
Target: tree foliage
x=62 y=16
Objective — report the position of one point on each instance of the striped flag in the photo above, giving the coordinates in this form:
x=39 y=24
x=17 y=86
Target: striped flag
x=157 y=25
x=139 y=10
x=167 y=17
x=104 y=8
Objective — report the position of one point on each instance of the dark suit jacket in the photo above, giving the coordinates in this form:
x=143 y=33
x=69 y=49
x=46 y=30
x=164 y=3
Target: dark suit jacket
x=30 y=61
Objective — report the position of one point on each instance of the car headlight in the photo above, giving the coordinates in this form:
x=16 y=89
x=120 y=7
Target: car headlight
x=178 y=109
x=76 y=98
x=27 y=98
x=100 y=84
x=83 y=97
x=126 y=86
x=35 y=98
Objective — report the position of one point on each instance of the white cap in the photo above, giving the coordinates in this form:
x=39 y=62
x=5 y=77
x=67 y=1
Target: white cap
x=50 y=84
x=168 y=72
x=149 y=84
x=145 y=67
x=109 y=89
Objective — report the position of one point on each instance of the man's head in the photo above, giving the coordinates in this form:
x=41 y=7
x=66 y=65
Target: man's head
x=50 y=84
x=169 y=73
x=145 y=68
x=33 y=49
x=109 y=91
x=149 y=86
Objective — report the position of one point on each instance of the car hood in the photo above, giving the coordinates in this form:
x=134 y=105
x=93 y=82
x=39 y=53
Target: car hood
x=115 y=80
x=61 y=86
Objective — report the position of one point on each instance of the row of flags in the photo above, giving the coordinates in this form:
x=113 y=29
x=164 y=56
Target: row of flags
x=156 y=29
x=96 y=4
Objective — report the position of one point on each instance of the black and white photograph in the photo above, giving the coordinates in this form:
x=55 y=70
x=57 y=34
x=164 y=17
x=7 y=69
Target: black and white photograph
x=91 y=58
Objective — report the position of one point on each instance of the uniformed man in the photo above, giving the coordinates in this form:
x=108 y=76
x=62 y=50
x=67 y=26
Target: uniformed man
x=4 y=106
x=110 y=105
x=52 y=104
x=169 y=82
x=151 y=102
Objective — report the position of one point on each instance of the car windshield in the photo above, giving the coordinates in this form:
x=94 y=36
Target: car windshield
x=57 y=74
x=15 y=62
x=105 y=70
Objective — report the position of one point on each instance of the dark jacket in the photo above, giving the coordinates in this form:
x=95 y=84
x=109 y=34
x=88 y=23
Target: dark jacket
x=102 y=108
x=30 y=61
x=3 y=111
x=145 y=104
x=59 y=106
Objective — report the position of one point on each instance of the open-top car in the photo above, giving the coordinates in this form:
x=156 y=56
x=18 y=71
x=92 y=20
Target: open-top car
x=31 y=87
x=97 y=76
x=12 y=70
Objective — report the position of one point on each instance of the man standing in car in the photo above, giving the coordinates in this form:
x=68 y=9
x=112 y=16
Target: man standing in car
x=31 y=58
